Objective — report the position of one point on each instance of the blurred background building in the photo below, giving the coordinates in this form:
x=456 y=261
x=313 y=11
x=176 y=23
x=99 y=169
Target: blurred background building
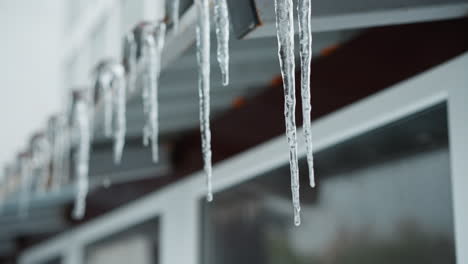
x=389 y=92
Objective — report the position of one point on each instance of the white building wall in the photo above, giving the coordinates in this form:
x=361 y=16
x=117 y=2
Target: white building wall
x=29 y=69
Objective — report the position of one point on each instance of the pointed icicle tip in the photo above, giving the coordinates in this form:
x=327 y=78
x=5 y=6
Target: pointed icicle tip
x=312 y=184
x=209 y=197
x=297 y=220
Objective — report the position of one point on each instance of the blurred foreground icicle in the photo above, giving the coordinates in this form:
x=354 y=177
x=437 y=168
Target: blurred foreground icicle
x=285 y=35
x=305 y=42
x=81 y=124
x=152 y=41
x=203 y=57
x=221 y=18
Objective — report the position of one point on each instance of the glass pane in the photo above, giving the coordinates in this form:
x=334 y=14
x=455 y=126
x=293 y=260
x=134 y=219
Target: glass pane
x=136 y=245
x=382 y=197
x=57 y=260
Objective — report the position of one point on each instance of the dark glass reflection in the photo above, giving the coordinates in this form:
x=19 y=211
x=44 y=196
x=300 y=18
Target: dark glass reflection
x=383 y=197
x=135 y=245
x=57 y=260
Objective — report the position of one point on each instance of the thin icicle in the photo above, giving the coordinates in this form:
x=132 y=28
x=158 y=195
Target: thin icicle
x=305 y=41
x=81 y=122
x=130 y=60
x=25 y=172
x=159 y=36
x=175 y=14
x=119 y=88
x=203 y=56
x=54 y=133
x=153 y=43
x=146 y=109
x=285 y=34
x=106 y=88
x=63 y=152
x=5 y=176
x=221 y=17
x=40 y=160
x=141 y=31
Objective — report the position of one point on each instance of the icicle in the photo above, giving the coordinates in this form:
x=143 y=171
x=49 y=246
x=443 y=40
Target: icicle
x=145 y=98
x=175 y=14
x=203 y=56
x=81 y=122
x=143 y=62
x=108 y=102
x=153 y=43
x=64 y=151
x=130 y=60
x=4 y=177
x=221 y=17
x=285 y=34
x=59 y=137
x=119 y=86
x=305 y=41
x=53 y=134
x=25 y=172
x=40 y=160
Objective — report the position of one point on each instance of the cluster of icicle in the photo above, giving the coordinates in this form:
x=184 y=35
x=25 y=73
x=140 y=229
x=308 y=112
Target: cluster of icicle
x=43 y=167
x=203 y=57
x=285 y=34
x=203 y=29
x=49 y=154
x=111 y=83
x=143 y=50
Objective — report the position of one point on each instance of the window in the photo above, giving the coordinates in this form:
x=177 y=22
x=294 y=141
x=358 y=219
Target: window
x=382 y=197
x=136 y=245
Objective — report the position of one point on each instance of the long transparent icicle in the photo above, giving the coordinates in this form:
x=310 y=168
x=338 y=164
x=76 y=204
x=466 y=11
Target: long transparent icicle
x=221 y=18
x=159 y=38
x=175 y=9
x=119 y=88
x=81 y=119
x=154 y=39
x=203 y=57
x=285 y=34
x=147 y=43
x=305 y=41
x=146 y=110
